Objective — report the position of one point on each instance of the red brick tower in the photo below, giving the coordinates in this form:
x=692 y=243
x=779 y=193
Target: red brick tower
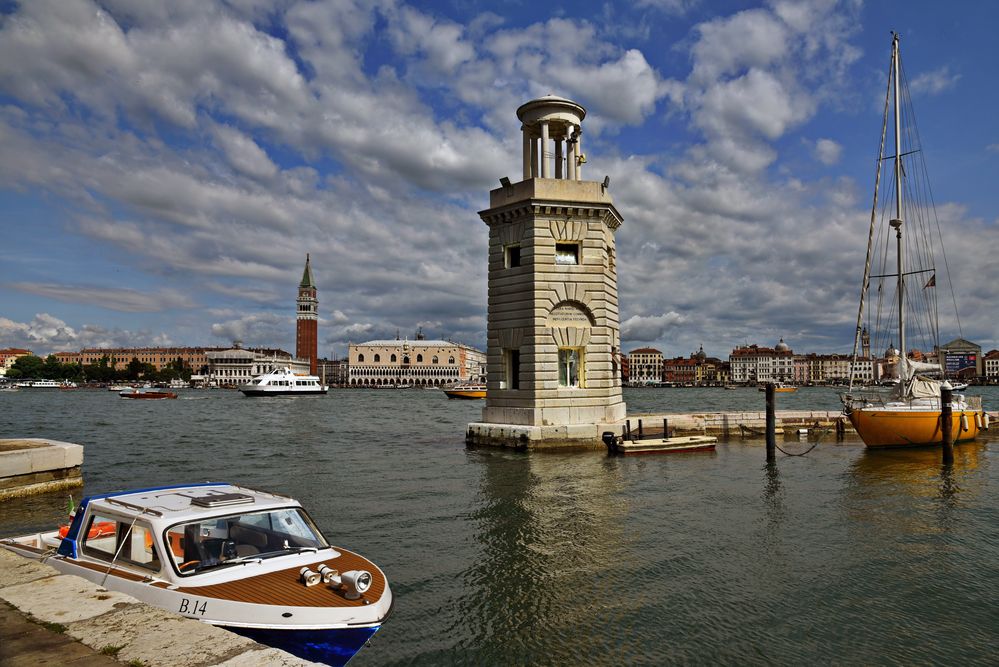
x=307 y=329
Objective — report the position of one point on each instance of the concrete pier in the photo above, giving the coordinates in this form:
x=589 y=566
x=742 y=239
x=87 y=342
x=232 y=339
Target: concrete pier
x=37 y=465
x=588 y=436
x=60 y=619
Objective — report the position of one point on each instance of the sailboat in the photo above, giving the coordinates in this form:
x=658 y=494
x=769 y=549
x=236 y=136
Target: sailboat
x=910 y=414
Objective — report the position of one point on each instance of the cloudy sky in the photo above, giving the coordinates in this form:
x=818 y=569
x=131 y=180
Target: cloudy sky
x=166 y=166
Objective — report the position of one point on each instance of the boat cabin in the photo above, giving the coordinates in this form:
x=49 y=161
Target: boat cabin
x=177 y=533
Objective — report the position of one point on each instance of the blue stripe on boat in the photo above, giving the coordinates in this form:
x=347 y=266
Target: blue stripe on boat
x=330 y=647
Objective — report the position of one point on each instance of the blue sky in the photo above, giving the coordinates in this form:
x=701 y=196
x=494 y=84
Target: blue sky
x=167 y=166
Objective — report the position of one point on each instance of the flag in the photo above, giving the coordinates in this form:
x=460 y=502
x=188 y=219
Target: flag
x=932 y=282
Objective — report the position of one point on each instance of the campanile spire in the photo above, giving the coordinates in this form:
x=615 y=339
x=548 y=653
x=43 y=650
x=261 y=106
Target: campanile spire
x=307 y=319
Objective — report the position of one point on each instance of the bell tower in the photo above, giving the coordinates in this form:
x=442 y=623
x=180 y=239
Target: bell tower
x=553 y=332
x=307 y=320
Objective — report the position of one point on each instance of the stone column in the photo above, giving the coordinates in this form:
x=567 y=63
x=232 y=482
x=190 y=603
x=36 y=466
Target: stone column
x=542 y=152
x=534 y=157
x=558 y=157
x=527 y=151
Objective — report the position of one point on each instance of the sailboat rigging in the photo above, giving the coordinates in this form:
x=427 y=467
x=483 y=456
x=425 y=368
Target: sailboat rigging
x=911 y=413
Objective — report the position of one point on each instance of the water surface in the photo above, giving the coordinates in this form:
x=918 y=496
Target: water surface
x=843 y=556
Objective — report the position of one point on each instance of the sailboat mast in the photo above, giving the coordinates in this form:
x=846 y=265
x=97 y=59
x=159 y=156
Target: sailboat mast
x=897 y=222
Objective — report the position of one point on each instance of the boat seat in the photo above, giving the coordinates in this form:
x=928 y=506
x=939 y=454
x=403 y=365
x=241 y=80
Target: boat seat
x=247 y=539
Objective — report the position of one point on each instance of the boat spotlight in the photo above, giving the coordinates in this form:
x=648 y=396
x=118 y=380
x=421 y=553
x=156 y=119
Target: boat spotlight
x=328 y=574
x=309 y=578
x=355 y=583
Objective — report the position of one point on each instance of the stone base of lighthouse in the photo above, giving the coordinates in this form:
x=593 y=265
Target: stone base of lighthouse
x=564 y=437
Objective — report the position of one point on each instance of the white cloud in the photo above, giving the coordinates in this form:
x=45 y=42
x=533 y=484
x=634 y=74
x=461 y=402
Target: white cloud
x=935 y=81
x=828 y=151
x=113 y=298
x=650 y=328
x=46 y=334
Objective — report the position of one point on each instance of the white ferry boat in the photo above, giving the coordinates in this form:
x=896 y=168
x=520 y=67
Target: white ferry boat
x=249 y=561
x=283 y=382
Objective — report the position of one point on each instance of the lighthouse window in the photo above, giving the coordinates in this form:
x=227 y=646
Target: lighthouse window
x=512 y=256
x=570 y=370
x=567 y=253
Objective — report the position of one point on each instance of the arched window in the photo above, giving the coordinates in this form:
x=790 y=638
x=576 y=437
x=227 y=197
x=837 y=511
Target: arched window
x=360 y=358
x=450 y=360
x=419 y=358
x=393 y=358
x=435 y=359
x=405 y=360
x=378 y=358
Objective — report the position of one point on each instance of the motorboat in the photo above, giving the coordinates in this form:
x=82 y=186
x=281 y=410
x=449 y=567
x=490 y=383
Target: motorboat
x=246 y=560
x=146 y=394
x=40 y=384
x=284 y=382
x=468 y=391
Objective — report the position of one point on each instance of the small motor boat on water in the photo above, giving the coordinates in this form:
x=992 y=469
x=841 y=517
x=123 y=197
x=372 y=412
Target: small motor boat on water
x=248 y=561
x=152 y=395
x=466 y=391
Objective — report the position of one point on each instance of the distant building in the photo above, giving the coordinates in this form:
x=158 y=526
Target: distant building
x=194 y=358
x=422 y=363
x=236 y=366
x=991 y=365
x=753 y=364
x=307 y=320
x=645 y=366
x=10 y=355
x=334 y=372
x=962 y=359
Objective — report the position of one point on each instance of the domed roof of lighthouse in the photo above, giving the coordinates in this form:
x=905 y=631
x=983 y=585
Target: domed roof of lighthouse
x=551 y=107
x=782 y=346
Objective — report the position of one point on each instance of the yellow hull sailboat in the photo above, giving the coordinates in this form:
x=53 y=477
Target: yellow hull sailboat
x=906 y=425
x=911 y=415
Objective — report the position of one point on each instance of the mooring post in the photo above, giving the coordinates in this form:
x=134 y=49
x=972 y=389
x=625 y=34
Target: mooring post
x=946 y=430
x=627 y=429
x=771 y=424
x=639 y=429
x=665 y=429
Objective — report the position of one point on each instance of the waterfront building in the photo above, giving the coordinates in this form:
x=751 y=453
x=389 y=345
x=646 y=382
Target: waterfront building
x=420 y=363
x=752 y=364
x=10 y=355
x=991 y=366
x=334 y=372
x=195 y=358
x=552 y=324
x=307 y=320
x=962 y=359
x=236 y=366
x=645 y=366
x=680 y=370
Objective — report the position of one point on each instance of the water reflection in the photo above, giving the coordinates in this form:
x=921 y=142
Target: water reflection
x=553 y=560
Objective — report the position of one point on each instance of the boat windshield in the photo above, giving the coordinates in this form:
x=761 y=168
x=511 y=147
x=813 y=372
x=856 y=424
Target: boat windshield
x=217 y=542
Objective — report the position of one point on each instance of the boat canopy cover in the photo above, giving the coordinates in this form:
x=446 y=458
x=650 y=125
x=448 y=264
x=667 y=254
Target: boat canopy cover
x=921 y=387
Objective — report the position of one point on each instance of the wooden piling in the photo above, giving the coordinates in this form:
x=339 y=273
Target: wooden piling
x=946 y=423
x=771 y=424
x=639 y=429
x=665 y=429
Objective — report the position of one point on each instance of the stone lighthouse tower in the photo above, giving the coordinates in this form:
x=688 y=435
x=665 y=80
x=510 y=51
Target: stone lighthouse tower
x=553 y=331
x=307 y=320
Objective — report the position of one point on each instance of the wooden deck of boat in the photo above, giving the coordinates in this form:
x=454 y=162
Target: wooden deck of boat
x=284 y=588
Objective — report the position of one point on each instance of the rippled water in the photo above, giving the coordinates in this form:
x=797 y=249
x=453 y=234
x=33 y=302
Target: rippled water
x=843 y=556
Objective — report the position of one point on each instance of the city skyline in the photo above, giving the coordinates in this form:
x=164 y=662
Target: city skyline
x=166 y=168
